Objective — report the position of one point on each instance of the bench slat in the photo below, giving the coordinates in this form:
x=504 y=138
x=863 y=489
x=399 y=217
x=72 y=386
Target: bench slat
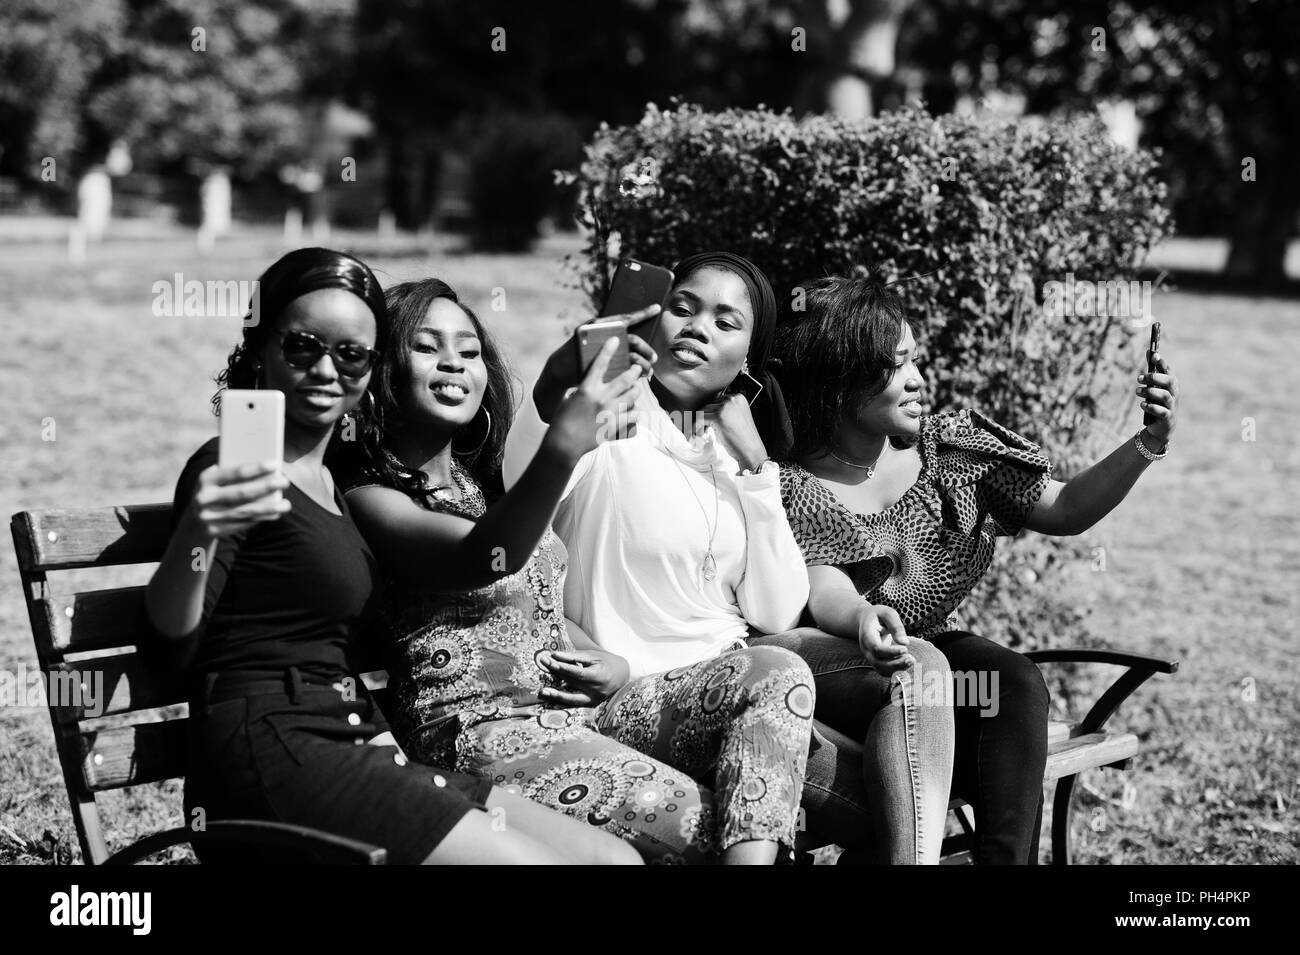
x=1058 y=731
x=115 y=685
x=132 y=755
x=94 y=619
x=93 y=537
x=1088 y=752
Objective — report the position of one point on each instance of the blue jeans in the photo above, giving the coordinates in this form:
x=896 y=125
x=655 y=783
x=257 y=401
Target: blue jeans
x=880 y=766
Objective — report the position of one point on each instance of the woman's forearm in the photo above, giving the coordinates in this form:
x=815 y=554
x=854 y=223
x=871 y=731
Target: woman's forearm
x=1093 y=493
x=175 y=594
x=504 y=538
x=835 y=606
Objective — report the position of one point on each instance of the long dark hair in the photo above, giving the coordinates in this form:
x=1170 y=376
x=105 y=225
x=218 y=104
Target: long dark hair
x=293 y=275
x=479 y=452
x=838 y=348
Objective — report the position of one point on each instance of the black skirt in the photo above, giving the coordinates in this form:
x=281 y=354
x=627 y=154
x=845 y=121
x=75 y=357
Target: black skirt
x=295 y=751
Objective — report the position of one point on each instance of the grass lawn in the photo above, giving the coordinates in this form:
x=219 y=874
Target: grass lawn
x=1201 y=561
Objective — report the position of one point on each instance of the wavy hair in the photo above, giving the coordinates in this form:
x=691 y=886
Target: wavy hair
x=839 y=348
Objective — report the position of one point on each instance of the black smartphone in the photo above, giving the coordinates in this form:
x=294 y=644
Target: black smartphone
x=638 y=285
x=1152 y=351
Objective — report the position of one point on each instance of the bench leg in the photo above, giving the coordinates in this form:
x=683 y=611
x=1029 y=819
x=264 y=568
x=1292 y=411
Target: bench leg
x=1061 y=820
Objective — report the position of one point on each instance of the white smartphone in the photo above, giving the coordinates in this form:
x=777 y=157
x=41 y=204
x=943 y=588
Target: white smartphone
x=252 y=428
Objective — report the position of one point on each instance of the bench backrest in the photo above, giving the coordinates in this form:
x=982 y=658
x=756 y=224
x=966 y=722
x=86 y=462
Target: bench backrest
x=137 y=733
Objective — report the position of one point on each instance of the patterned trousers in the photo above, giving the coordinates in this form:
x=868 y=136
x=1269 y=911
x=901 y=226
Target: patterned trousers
x=682 y=764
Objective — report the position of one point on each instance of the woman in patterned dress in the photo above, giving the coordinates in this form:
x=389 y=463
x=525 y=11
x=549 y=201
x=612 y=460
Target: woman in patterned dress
x=903 y=509
x=680 y=551
x=476 y=608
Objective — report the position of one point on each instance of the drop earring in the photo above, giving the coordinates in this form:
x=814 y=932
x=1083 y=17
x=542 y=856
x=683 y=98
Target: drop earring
x=755 y=387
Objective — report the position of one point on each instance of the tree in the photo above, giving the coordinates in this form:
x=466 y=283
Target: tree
x=52 y=53
x=1215 y=82
x=221 y=83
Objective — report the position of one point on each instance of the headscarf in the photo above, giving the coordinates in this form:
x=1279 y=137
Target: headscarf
x=769 y=409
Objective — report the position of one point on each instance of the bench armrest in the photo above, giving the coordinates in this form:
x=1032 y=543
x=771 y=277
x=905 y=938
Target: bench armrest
x=1140 y=669
x=1090 y=655
x=327 y=848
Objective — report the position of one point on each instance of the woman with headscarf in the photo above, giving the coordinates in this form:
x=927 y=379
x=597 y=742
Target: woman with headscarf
x=680 y=553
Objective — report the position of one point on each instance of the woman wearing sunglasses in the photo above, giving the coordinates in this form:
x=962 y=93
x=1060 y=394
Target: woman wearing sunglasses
x=681 y=554
x=476 y=607
x=265 y=587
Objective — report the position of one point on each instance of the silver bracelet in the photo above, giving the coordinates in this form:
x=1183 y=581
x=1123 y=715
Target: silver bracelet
x=1147 y=453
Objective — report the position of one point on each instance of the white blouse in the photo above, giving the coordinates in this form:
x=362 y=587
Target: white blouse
x=636 y=518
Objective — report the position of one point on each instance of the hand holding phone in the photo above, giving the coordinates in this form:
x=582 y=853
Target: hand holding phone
x=636 y=287
x=600 y=409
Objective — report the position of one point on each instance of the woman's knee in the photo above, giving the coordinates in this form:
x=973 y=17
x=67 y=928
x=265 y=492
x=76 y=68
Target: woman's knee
x=777 y=665
x=928 y=657
x=774 y=679
x=1023 y=685
x=1020 y=683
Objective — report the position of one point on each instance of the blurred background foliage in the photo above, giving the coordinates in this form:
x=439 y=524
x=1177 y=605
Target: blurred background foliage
x=417 y=90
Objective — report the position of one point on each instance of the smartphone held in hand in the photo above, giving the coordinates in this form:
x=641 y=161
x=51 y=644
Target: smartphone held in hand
x=252 y=428
x=591 y=338
x=636 y=286
x=1152 y=351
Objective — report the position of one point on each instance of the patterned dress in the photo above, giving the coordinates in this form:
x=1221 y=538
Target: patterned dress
x=924 y=554
x=466 y=680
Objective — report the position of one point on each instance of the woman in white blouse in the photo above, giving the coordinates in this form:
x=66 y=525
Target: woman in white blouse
x=680 y=553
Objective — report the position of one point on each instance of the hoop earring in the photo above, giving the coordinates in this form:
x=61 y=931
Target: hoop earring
x=486 y=431
x=370 y=411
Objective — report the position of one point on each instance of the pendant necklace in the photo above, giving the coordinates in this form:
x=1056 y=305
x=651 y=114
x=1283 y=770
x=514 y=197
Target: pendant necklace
x=869 y=468
x=709 y=568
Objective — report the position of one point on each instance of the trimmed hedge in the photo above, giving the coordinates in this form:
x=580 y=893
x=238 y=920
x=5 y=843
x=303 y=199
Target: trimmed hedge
x=976 y=215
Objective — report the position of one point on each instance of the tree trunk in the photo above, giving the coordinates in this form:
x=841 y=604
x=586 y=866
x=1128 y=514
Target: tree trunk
x=1266 y=218
x=866 y=42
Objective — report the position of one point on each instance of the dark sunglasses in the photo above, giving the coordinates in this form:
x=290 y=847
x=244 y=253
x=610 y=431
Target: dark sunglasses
x=302 y=350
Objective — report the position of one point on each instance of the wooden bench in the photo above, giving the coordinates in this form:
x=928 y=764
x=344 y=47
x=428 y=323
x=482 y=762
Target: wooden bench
x=138 y=735
x=1075 y=746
